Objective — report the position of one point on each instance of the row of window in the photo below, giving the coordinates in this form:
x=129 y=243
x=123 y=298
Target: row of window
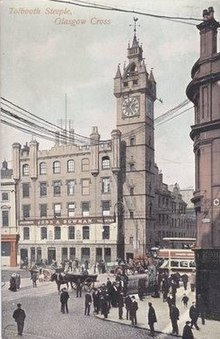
x=66 y=253
x=163 y=234
x=165 y=202
x=71 y=208
x=70 y=187
x=85 y=166
x=56 y=235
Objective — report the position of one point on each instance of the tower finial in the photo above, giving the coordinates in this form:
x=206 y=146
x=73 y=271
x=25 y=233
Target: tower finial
x=135 y=25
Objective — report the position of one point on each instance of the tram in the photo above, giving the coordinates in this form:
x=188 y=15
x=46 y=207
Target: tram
x=177 y=260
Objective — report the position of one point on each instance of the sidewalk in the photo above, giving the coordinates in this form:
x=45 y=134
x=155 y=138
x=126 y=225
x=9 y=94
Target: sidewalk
x=211 y=329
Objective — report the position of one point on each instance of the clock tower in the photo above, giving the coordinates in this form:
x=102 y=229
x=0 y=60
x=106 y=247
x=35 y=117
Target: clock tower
x=135 y=92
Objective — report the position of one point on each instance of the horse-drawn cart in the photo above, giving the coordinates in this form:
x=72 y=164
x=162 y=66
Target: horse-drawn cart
x=86 y=281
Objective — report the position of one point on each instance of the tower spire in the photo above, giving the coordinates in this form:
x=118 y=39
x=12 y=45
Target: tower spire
x=135 y=26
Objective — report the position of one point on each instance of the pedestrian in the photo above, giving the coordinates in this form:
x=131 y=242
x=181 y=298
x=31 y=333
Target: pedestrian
x=151 y=318
x=12 y=286
x=19 y=316
x=192 y=281
x=187 y=331
x=120 y=305
x=103 y=305
x=78 y=288
x=18 y=281
x=194 y=314
x=201 y=308
x=185 y=300
x=88 y=301
x=34 y=279
x=174 y=316
x=185 y=280
x=64 y=300
x=128 y=302
x=133 y=311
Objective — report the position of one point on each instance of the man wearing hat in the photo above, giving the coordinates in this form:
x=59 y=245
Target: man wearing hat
x=187 y=331
x=133 y=311
x=19 y=316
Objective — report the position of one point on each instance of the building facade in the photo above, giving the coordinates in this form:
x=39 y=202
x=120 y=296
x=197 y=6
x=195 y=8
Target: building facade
x=9 y=231
x=204 y=92
x=99 y=201
x=67 y=199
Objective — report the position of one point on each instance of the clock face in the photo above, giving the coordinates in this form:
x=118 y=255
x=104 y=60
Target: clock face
x=150 y=107
x=130 y=106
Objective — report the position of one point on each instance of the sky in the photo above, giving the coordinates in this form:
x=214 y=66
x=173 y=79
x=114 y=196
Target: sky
x=46 y=54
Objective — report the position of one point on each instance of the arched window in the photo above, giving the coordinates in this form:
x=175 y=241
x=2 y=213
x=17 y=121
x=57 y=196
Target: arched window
x=70 y=166
x=105 y=163
x=85 y=165
x=56 y=167
x=132 y=141
x=71 y=232
x=43 y=168
x=26 y=233
x=57 y=233
x=26 y=169
x=43 y=231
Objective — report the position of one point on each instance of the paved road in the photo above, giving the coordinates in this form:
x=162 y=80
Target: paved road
x=44 y=319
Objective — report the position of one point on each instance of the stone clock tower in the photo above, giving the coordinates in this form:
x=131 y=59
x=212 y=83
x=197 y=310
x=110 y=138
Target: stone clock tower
x=135 y=91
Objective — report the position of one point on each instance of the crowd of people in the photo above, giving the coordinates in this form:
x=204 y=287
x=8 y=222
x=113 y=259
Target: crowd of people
x=115 y=294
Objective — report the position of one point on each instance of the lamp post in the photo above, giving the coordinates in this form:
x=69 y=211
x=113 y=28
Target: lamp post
x=120 y=228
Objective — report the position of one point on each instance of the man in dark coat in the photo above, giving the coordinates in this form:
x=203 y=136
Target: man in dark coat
x=104 y=305
x=151 y=318
x=19 y=316
x=128 y=302
x=194 y=314
x=187 y=331
x=88 y=301
x=78 y=288
x=133 y=311
x=174 y=316
x=96 y=300
x=185 y=300
x=34 y=279
x=64 y=300
x=120 y=305
x=13 y=283
x=185 y=280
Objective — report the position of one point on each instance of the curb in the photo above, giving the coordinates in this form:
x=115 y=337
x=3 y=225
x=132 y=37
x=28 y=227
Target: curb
x=136 y=326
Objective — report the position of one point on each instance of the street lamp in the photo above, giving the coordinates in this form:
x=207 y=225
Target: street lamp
x=120 y=228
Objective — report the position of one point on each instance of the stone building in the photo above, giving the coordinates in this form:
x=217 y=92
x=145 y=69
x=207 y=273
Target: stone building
x=204 y=92
x=97 y=201
x=9 y=231
x=67 y=198
x=170 y=214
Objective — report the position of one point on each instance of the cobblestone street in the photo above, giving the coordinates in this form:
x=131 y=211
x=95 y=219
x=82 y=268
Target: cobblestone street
x=44 y=319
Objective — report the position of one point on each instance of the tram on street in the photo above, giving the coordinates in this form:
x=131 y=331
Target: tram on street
x=177 y=260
